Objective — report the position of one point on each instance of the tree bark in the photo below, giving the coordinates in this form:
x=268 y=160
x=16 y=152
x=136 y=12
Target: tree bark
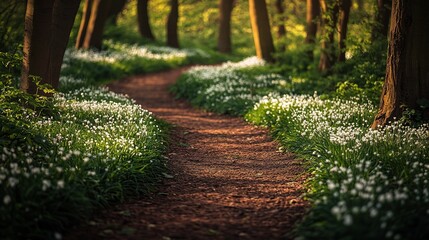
x=86 y=15
x=143 y=19
x=329 y=23
x=115 y=9
x=97 y=21
x=224 y=37
x=345 y=6
x=172 y=21
x=407 y=70
x=281 y=29
x=47 y=30
x=380 y=29
x=313 y=13
x=36 y=49
x=261 y=30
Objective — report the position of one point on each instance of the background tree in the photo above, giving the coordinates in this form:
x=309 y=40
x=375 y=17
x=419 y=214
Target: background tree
x=329 y=21
x=261 y=30
x=280 y=23
x=172 y=21
x=224 y=37
x=406 y=84
x=380 y=28
x=344 y=7
x=313 y=13
x=94 y=31
x=143 y=19
x=86 y=15
x=47 y=29
x=115 y=9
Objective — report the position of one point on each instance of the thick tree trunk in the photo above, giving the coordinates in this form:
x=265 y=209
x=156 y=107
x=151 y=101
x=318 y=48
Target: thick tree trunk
x=382 y=19
x=224 y=38
x=36 y=50
x=86 y=15
x=329 y=23
x=345 y=6
x=97 y=21
x=47 y=30
x=63 y=17
x=143 y=19
x=115 y=9
x=173 y=18
x=261 y=30
x=407 y=70
x=313 y=13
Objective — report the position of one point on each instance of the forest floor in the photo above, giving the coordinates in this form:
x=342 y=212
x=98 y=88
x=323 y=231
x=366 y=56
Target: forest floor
x=227 y=179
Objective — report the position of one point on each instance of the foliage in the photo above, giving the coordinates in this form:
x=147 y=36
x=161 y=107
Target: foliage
x=11 y=28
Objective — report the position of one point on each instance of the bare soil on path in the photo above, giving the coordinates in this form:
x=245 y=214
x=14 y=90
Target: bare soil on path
x=228 y=180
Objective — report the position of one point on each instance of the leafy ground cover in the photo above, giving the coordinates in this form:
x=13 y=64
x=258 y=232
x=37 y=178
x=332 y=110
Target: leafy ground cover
x=364 y=184
x=85 y=148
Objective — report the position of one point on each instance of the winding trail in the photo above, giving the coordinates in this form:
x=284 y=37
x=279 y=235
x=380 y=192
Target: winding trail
x=229 y=181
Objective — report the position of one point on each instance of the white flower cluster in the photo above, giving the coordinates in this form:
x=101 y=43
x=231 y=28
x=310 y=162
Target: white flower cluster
x=360 y=173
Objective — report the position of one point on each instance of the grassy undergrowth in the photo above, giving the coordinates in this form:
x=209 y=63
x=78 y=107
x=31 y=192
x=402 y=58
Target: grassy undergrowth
x=85 y=148
x=364 y=184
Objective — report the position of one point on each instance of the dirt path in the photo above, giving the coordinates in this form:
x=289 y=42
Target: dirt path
x=229 y=180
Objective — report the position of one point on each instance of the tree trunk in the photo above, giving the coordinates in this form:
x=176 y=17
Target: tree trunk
x=47 y=30
x=281 y=29
x=63 y=17
x=329 y=23
x=313 y=13
x=115 y=9
x=407 y=70
x=143 y=19
x=382 y=19
x=97 y=21
x=86 y=15
x=360 y=4
x=36 y=49
x=173 y=18
x=345 y=6
x=224 y=38
x=261 y=30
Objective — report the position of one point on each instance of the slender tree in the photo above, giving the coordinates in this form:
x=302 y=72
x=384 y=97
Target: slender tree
x=380 y=28
x=313 y=13
x=407 y=70
x=280 y=23
x=47 y=28
x=224 y=37
x=261 y=30
x=143 y=19
x=86 y=15
x=94 y=31
x=329 y=21
x=345 y=6
x=172 y=21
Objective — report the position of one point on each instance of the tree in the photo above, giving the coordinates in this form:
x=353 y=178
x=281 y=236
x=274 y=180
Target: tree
x=313 y=13
x=224 y=37
x=281 y=29
x=345 y=6
x=329 y=21
x=115 y=9
x=143 y=19
x=86 y=15
x=47 y=29
x=172 y=21
x=406 y=83
x=382 y=19
x=261 y=30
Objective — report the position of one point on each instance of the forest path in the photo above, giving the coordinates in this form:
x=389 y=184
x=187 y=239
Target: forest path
x=229 y=181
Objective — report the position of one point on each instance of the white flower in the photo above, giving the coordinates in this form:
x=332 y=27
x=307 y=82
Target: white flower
x=7 y=199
